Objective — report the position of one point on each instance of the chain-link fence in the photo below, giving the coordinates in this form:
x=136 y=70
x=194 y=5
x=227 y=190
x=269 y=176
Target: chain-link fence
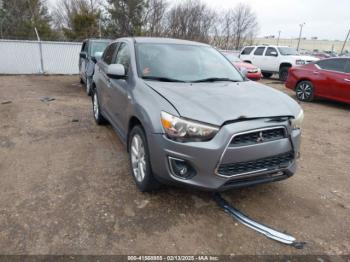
x=35 y=57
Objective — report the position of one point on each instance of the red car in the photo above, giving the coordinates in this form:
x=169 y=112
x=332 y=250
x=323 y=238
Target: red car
x=328 y=78
x=253 y=72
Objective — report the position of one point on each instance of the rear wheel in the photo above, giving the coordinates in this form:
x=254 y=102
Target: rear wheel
x=305 y=91
x=283 y=73
x=99 y=119
x=267 y=75
x=140 y=161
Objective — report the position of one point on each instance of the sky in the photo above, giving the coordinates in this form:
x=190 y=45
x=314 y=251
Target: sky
x=325 y=19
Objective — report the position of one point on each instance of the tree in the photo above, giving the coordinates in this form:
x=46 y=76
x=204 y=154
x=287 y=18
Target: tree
x=78 y=19
x=126 y=17
x=154 y=19
x=245 y=24
x=191 y=20
x=19 y=17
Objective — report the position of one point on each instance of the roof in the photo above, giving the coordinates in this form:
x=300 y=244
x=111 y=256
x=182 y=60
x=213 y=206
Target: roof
x=161 y=40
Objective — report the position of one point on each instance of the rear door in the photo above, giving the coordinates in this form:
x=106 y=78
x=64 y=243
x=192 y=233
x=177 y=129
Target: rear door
x=103 y=81
x=258 y=58
x=119 y=92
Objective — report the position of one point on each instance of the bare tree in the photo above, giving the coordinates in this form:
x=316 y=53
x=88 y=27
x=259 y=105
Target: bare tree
x=191 y=20
x=245 y=24
x=154 y=19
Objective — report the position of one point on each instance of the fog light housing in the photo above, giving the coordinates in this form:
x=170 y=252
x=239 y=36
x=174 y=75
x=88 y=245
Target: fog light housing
x=181 y=168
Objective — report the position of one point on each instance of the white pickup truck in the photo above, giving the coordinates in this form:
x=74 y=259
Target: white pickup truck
x=274 y=59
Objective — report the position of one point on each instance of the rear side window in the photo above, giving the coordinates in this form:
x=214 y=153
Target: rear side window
x=338 y=65
x=247 y=50
x=270 y=50
x=259 y=50
x=347 y=67
x=108 y=53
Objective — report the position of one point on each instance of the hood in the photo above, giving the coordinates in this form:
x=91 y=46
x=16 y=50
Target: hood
x=216 y=103
x=304 y=57
x=244 y=65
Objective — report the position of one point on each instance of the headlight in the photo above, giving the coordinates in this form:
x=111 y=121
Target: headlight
x=300 y=62
x=298 y=120
x=184 y=130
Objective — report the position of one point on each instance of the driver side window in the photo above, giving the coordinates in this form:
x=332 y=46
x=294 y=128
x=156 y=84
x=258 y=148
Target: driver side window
x=123 y=57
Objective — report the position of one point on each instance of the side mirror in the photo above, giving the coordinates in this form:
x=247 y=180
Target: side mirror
x=116 y=71
x=273 y=53
x=83 y=55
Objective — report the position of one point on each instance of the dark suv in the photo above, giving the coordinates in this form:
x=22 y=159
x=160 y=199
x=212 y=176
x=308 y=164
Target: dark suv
x=91 y=51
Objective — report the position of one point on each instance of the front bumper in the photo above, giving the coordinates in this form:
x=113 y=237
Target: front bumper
x=206 y=157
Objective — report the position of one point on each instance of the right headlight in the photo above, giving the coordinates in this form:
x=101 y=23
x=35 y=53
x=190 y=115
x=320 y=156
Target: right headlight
x=298 y=120
x=184 y=130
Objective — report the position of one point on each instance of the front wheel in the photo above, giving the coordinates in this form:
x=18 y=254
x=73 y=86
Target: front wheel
x=304 y=91
x=140 y=161
x=283 y=73
x=88 y=86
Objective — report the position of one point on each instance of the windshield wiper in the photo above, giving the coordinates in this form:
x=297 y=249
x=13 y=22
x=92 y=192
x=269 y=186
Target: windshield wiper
x=215 y=79
x=162 y=79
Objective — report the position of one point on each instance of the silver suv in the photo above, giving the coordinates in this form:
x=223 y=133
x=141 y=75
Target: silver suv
x=188 y=116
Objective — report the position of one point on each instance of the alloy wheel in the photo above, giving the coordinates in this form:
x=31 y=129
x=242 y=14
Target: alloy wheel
x=304 y=91
x=138 y=159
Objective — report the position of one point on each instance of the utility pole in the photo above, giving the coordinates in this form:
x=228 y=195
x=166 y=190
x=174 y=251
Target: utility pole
x=99 y=26
x=278 y=39
x=301 y=30
x=346 y=39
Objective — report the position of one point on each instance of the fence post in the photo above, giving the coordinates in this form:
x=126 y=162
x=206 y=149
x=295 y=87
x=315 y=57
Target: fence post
x=40 y=51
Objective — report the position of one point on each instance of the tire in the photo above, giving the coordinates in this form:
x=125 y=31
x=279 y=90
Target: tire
x=267 y=75
x=305 y=91
x=139 y=160
x=81 y=81
x=283 y=73
x=99 y=119
x=88 y=86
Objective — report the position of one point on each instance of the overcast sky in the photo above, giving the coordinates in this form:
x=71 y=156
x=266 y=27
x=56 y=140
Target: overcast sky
x=325 y=19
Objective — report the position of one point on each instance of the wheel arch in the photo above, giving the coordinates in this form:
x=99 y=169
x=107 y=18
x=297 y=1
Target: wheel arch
x=285 y=64
x=133 y=121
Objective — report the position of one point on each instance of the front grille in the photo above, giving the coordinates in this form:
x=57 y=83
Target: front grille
x=256 y=137
x=269 y=163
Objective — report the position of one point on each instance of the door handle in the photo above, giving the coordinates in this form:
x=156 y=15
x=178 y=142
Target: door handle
x=316 y=72
x=347 y=80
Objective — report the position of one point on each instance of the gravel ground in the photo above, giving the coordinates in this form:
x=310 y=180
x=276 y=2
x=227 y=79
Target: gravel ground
x=66 y=187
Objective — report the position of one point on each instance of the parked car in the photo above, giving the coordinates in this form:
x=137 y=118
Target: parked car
x=195 y=120
x=91 y=51
x=274 y=59
x=328 y=78
x=321 y=55
x=252 y=72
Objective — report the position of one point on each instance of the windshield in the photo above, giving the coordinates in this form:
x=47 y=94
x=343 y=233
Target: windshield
x=98 y=47
x=231 y=57
x=288 y=51
x=185 y=63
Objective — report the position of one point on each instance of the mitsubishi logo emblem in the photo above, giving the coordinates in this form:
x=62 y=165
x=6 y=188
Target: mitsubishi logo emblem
x=260 y=139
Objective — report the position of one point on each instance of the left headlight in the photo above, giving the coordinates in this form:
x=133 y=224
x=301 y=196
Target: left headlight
x=185 y=130
x=298 y=120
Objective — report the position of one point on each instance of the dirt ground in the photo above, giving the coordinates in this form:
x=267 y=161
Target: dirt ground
x=66 y=187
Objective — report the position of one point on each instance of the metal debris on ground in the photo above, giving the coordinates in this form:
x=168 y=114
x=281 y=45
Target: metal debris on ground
x=6 y=102
x=267 y=231
x=47 y=99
